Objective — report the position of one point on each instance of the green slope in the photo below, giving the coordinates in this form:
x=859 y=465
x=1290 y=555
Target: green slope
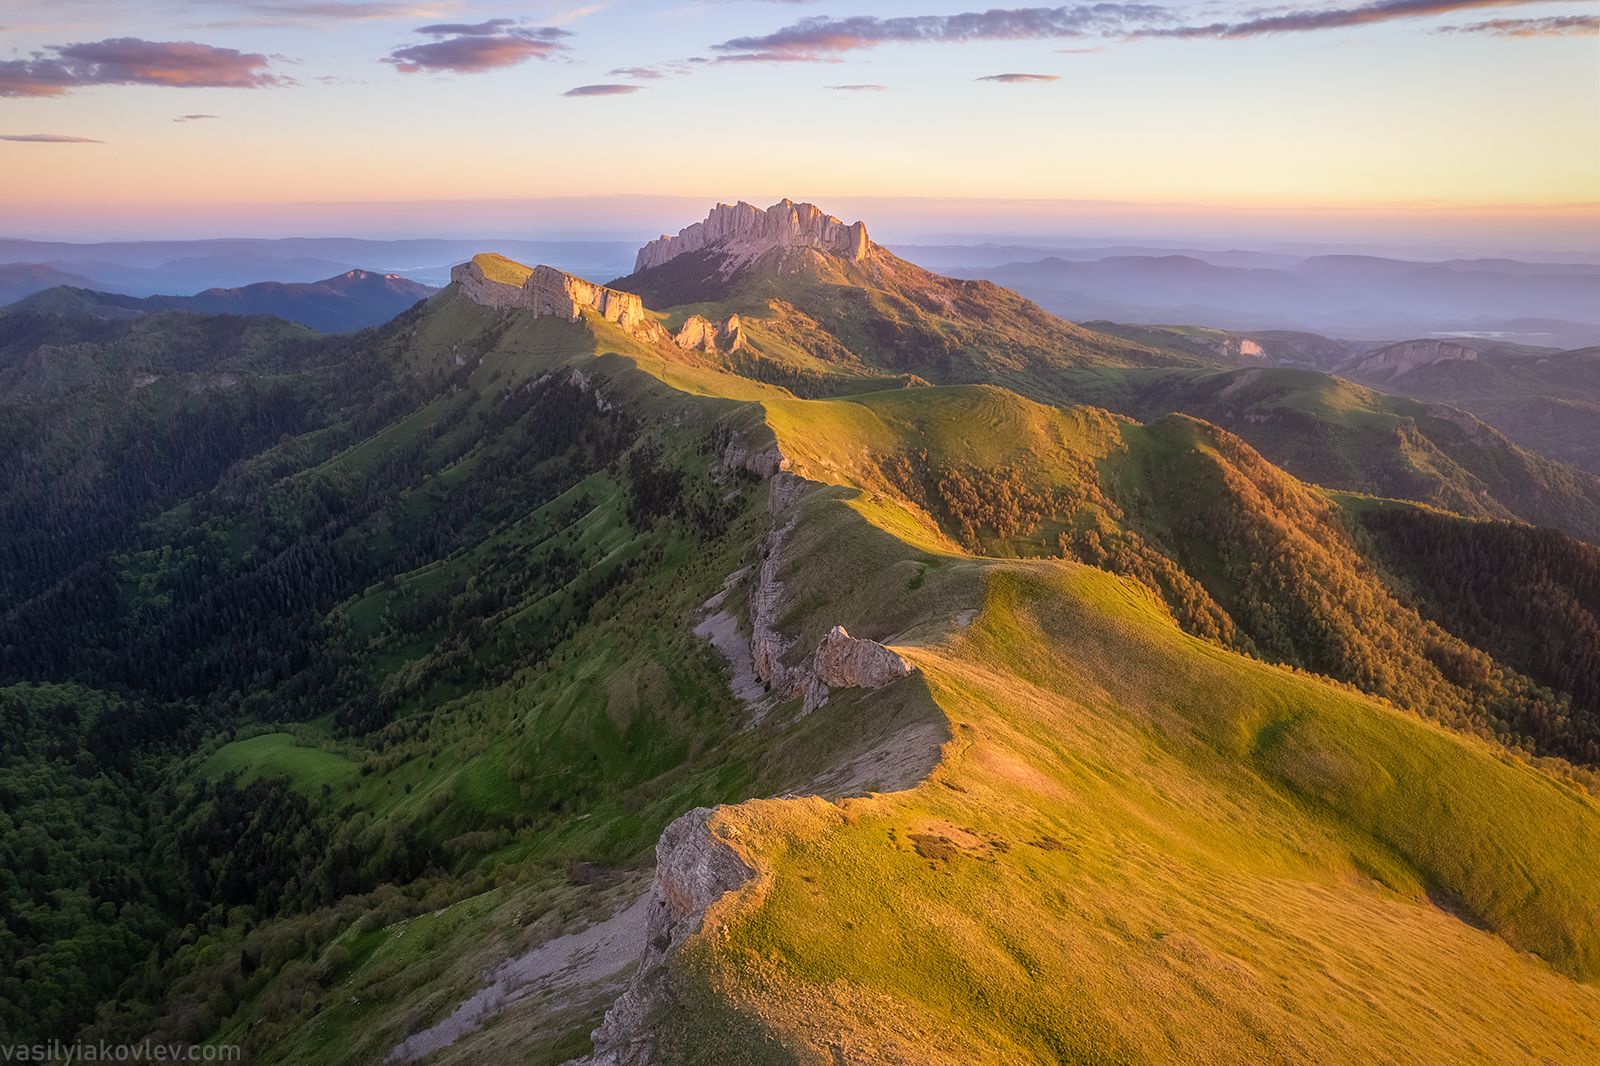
x=821 y=324
x=1138 y=847
x=419 y=688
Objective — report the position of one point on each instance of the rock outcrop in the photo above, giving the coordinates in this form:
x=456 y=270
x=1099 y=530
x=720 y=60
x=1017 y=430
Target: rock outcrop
x=546 y=291
x=1235 y=347
x=498 y=282
x=843 y=661
x=743 y=232
x=763 y=462
x=700 y=333
x=693 y=870
x=839 y=660
x=1406 y=356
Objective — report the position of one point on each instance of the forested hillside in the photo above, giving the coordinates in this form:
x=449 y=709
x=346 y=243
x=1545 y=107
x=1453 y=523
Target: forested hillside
x=339 y=674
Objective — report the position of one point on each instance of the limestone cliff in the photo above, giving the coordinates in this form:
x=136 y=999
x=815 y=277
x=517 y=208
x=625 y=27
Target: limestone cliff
x=701 y=334
x=1406 y=356
x=494 y=282
x=839 y=660
x=743 y=232
x=694 y=869
x=498 y=282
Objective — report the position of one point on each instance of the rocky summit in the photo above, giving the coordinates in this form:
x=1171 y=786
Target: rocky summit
x=742 y=233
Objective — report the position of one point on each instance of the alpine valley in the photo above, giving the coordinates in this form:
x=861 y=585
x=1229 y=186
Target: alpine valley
x=786 y=654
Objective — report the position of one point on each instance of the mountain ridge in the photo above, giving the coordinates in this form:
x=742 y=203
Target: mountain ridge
x=355 y=299
x=1085 y=736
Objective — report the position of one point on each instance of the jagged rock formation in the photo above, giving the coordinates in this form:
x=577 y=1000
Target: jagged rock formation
x=694 y=869
x=545 y=291
x=743 y=232
x=763 y=462
x=840 y=660
x=843 y=661
x=1236 y=347
x=698 y=332
x=498 y=282
x=1406 y=356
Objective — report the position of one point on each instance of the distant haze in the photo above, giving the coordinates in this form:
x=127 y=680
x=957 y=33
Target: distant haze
x=1563 y=233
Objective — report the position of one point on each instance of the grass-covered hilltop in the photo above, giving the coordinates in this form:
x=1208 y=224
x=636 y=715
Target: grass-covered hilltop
x=781 y=654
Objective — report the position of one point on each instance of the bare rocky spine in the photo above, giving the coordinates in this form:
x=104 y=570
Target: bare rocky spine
x=743 y=232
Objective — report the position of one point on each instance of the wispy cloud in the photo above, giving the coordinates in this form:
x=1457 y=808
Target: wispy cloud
x=571 y=15
x=864 y=88
x=472 y=48
x=131 y=61
x=1020 y=79
x=642 y=73
x=193 y=118
x=821 y=38
x=603 y=90
x=1329 y=18
x=824 y=38
x=1556 y=26
x=47 y=138
x=266 y=14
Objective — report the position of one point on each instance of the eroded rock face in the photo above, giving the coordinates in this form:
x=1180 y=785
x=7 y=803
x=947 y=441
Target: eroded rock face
x=478 y=287
x=1397 y=359
x=555 y=292
x=743 y=232
x=839 y=661
x=763 y=462
x=548 y=291
x=693 y=870
x=698 y=332
x=843 y=661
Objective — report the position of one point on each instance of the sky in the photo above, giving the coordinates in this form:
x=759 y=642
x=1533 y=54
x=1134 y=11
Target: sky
x=1432 y=120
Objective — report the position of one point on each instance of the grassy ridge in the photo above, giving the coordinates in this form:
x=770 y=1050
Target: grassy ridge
x=1138 y=845
x=1141 y=847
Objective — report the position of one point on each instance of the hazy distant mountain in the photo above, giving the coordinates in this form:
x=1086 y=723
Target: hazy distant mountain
x=24 y=279
x=1545 y=400
x=959 y=257
x=1347 y=295
x=146 y=268
x=352 y=300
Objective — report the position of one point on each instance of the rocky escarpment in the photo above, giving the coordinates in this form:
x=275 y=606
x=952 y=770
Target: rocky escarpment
x=497 y=282
x=694 y=869
x=700 y=333
x=1234 y=347
x=839 y=660
x=1406 y=356
x=544 y=290
x=743 y=232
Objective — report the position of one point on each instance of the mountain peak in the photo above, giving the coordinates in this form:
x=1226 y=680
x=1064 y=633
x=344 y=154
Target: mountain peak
x=743 y=232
